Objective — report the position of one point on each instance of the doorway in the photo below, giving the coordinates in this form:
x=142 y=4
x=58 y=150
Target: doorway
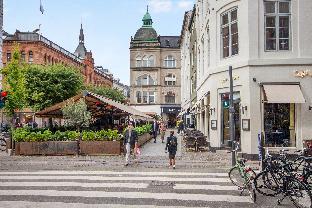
x=225 y=118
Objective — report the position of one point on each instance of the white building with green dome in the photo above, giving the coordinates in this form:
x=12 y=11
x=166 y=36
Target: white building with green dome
x=155 y=71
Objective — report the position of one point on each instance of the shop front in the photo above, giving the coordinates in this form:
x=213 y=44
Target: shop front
x=170 y=114
x=280 y=116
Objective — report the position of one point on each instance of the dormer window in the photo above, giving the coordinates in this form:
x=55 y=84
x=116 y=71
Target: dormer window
x=167 y=43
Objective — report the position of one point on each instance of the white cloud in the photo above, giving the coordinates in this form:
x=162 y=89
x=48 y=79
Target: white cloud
x=185 y=4
x=159 y=6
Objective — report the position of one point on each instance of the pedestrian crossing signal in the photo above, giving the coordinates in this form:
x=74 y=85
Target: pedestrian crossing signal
x=225 y=100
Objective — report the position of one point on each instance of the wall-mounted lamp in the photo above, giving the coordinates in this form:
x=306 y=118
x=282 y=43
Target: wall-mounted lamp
x=244 y=108
x=310 y=107
x=212 y=110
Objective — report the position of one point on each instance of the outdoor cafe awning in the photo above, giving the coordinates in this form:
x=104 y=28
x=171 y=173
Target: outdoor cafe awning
x=91 y=99
x=290 y=93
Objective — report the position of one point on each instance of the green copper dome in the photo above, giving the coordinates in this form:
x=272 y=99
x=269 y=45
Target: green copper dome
x=146 y=32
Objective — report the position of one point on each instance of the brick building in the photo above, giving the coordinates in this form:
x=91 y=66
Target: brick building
x=37 y=49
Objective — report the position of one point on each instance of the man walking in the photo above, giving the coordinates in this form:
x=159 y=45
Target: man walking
x=130 y=141
x=155 y=130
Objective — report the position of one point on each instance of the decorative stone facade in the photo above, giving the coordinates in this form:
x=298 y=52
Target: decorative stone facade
x=155 y=72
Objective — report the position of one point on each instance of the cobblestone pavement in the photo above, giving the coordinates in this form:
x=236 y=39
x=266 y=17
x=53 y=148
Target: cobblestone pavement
x=152 y=156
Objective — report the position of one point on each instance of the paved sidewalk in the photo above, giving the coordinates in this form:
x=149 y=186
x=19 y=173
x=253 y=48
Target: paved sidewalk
x=158 y=148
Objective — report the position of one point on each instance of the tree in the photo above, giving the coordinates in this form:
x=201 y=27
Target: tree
x=108 y=92
x=51 y=84
x=77 y=114
x=14 y=83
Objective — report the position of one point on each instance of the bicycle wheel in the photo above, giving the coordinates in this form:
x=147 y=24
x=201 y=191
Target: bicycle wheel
x=299 y=193
x=236 y=177
x=252 y=191
x=2 y=145
x=267 y=184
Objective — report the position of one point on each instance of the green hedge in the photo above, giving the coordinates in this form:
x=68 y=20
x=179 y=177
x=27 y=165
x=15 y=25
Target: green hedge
x=28 y=135
x=143 y=129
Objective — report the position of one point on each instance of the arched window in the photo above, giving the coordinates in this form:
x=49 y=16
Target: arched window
x=30 y=56
x=52 y=60
x=170 y=79
x=151 y=61
x=145 y=80
x=45 y=58
x=170 y=97
x=170 y=62
x=23 y=56
x=138 y=61
x=145 y=61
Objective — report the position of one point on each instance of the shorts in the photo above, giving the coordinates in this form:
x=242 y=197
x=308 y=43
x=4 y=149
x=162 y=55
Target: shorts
x=171 y=156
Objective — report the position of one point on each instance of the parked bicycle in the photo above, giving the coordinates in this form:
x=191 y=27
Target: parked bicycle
x=282 y=176
x=242 y=175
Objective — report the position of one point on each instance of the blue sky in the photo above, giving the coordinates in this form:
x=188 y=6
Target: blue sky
x=108 y=24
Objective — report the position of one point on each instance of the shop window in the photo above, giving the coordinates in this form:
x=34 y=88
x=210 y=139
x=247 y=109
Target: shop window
x=277 y=25
x=229 y=33
x=30 y=57
x=279 y=124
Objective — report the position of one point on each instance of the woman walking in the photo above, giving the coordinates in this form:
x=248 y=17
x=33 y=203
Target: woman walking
x=162 y=131
x=171 y=146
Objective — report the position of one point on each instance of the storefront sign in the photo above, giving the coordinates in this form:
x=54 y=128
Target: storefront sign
x=173 y=110
x=303 y=73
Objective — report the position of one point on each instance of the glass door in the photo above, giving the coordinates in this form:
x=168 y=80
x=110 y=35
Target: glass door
x=225 y=117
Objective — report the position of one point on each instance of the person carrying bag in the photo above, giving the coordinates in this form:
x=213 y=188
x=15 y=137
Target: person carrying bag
x=171 y=147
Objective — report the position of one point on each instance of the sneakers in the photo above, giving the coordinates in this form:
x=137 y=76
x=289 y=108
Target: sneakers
x=126 y=164
x=174 y=167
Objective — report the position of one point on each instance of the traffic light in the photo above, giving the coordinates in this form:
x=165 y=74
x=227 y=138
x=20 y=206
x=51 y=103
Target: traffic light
x=226 y=100
x=3 y=96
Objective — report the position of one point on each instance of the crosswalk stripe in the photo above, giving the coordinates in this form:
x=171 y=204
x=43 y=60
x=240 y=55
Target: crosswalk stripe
x=129 y=195
x=74 y=184
x=23 y=204
x=114 y=178
x=205 y=187
x=115 y=173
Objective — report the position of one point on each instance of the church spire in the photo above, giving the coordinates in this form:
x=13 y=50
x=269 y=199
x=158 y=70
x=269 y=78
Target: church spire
x=81 y=36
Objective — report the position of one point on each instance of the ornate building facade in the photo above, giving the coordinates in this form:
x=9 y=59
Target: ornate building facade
x=36 y=49
x=265 y=41
x=155 y=72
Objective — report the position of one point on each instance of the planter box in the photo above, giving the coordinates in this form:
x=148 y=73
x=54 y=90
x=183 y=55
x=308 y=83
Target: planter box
x=144 y=138
x=47 y=148
x=100 y=147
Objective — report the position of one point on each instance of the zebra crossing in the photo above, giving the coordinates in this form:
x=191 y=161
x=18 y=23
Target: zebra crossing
x=89 y=189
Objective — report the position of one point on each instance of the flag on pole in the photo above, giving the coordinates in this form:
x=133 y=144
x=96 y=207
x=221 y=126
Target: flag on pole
x=41 y=7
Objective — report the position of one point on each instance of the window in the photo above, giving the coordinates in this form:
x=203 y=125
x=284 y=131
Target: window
x=30 y=57
x=9 y=57
x=145 y=61
x=170 y=97
x=45 y=58
x=145 y=80
x=170 y=79
x=277 y=25
x=229 y=33
x=151 y=61
x=148 y=97
x=139 y=97
x=138 y=62
x=170 y=62
x=23 y=56
x=279 y=124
